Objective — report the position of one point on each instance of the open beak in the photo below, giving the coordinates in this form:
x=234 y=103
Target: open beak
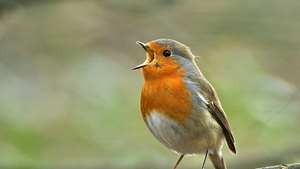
x=148 y=60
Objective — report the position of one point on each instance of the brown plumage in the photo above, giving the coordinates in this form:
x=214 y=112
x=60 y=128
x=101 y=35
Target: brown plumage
x=179 y=106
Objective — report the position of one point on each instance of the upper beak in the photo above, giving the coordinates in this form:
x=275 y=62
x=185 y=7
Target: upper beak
x=146 y=48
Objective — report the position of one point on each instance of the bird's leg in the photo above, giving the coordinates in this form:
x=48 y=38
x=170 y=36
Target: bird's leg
x=204 y=159
x=178 y=161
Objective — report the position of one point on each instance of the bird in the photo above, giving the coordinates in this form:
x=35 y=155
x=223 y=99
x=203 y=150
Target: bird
x=179 y=106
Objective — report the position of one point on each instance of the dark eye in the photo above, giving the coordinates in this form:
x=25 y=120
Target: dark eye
x=167 y=53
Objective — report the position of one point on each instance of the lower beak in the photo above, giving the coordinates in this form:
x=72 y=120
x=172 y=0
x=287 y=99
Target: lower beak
x=140 y=66
x=147 y=49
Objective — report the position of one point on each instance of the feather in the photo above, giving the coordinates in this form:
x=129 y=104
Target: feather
x=215 y=108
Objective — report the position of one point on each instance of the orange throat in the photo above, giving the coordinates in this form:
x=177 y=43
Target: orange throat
x=166 y=94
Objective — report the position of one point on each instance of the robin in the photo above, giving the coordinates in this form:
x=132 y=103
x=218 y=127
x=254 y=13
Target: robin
x=180 y=107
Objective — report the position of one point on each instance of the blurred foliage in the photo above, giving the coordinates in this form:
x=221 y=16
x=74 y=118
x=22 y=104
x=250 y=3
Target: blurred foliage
x=68 y=97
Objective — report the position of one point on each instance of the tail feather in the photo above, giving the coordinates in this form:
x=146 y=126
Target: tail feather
x=217 y=160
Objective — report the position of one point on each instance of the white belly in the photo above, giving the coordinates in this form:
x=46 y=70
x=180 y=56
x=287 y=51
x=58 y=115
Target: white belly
x=192 y=137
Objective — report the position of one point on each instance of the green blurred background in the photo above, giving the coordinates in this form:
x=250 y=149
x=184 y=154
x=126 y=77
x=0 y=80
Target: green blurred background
x=69 y=99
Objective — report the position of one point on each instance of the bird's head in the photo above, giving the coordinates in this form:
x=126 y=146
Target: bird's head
x=164 y=57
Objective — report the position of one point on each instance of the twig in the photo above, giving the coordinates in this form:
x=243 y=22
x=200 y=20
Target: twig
x=283 y=166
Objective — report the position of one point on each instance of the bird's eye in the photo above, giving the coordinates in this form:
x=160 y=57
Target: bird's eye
x=167 y=53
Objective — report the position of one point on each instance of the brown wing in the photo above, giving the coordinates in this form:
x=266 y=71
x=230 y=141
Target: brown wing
x=217 y=112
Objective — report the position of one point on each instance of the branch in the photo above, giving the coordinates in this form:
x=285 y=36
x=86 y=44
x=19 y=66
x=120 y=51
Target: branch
x=283 y=166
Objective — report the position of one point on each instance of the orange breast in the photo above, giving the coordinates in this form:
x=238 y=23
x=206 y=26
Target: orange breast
x=167 y=95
